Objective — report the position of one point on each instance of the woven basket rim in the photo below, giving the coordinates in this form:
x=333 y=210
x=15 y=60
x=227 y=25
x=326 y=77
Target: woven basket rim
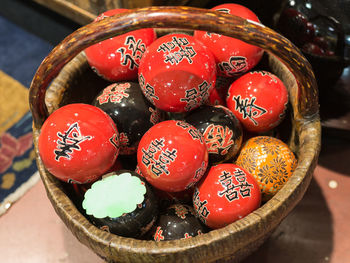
x=308 y=130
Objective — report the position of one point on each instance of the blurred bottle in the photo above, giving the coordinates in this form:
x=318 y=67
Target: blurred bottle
x=321 y=30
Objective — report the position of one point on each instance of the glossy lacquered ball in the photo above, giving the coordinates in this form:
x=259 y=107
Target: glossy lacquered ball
x=233 y=56
x=259 y=100
x=172 y=155
x=177 y=222
x=221 y=130
x=177 y=73
x=135 y=222
x=130 y=110
x=270 y=161
x=78 y=143
x=227 y=193
x=118 y=58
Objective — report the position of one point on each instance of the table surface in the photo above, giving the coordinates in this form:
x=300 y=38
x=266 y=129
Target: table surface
x=316 y=231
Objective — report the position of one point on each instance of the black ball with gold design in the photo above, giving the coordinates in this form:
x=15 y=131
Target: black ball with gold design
x=221 y=129
x=133 y=114
x=177 y=222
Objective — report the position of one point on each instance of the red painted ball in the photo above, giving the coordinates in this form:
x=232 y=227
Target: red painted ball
x=172 y=155
x=118 y=58
x=78 y=143
x=259 y=100
x=177 y=73
x=226 y=193
x=233 y=56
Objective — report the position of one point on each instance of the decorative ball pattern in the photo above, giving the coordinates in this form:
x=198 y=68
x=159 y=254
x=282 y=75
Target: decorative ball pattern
x=172 y=155
x=177 y=222
x=227 y=193
x=233 y=57
x=74 y=148
x=177 y=73
x=270 y=161
x=259 y=100
x=118 y=58
x=221 y=130
x=130 y=110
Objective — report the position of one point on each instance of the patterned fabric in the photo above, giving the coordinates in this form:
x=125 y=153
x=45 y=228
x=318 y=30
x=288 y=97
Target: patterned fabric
x=20 y=55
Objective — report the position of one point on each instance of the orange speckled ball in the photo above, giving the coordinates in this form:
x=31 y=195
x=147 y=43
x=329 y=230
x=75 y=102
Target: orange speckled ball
x=270 y=161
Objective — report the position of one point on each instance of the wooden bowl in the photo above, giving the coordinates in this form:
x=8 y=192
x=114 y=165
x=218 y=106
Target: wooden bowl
x=65 y=68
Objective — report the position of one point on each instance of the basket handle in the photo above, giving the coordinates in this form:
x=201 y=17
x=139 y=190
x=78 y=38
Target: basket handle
x=180 y=17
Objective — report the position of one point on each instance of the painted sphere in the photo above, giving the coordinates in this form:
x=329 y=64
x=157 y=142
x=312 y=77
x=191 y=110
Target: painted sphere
x=270 y=161
x=118 y=58
x=132 y=113
x=172 y=155
x=177 y=73
x=259 y=100
x=177 y=222
x=74 y=147
x=233 y=56
x=135 y=223
x=221 y=130
x=226 y=194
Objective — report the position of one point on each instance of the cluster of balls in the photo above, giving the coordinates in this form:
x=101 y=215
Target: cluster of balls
x=169 y=108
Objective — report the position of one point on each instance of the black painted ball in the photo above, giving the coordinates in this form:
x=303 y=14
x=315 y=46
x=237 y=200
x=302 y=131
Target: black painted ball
x=222 y=131
x=133 y=114
x=177 y=222
x=134 y=224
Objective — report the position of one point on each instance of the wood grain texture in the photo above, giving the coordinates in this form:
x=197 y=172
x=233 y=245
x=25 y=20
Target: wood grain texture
x=238 y=239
